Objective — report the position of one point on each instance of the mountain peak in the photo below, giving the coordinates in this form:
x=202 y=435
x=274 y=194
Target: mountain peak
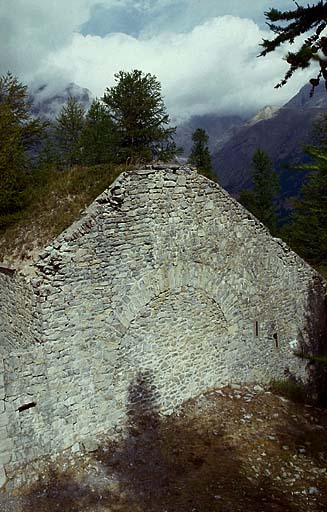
x=47 y=102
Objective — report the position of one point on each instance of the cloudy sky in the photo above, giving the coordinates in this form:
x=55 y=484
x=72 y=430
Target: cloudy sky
x=202 y=51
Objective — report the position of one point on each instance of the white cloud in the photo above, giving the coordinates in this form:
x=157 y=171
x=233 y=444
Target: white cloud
x=30 y=28
x=204 y=65
x=213 y=68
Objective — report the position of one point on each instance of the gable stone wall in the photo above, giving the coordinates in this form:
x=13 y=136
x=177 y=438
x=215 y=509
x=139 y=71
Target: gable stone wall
x=17 y=312
x=165 y=275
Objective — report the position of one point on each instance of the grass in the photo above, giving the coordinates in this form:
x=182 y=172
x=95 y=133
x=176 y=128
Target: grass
x=292 y=390
x=56 y=201
x=322 y=269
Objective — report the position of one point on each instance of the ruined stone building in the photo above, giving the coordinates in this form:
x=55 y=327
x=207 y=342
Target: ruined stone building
x=164 y=273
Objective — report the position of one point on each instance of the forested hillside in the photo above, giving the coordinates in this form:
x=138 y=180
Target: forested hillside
x=55 y=159
x=53 y=166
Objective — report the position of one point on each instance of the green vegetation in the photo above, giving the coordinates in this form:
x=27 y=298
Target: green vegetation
x=200 y=154
x=68 y=130
x=139 y=117
x=19 y=133
x=98 y=139
x=294 y=391
x=260 y=200
x=57 y=200
x=38 y=160
x=294 y=23
x=308 y=230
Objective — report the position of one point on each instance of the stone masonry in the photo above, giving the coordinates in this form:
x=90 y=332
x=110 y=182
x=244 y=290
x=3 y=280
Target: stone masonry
x=164 y=273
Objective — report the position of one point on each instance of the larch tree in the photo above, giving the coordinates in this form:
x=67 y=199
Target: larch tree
x=19 y=133
x=98 y=138
x=308 y=233
x=68 y=129
x=136 y=107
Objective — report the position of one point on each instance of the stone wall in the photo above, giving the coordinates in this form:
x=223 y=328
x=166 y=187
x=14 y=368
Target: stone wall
x=167 y=276
x=18 y=330
x=17 y=312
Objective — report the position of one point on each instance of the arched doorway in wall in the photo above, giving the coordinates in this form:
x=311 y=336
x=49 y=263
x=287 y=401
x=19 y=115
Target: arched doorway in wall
x=180 y=338
x=176 y=328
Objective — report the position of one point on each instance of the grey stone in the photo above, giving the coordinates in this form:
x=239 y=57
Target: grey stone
x=90 y=445
x=5 y=457
x=176 y=291
x=258 y=389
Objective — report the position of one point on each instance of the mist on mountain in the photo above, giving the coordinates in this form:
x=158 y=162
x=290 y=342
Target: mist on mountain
x=46 y=101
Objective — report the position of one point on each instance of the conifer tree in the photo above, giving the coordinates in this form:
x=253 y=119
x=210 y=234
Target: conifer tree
x=68 y=129
x=19 y=133
x=98 y=135
x=200 y=155
x=308 y=231
x=139 y=115
x=288 y=25
x=259 y=200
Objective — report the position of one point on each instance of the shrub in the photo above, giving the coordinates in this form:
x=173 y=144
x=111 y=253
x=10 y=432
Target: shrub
x=290 y=389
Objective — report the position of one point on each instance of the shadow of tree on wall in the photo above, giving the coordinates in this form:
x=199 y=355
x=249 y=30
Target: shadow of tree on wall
x=163 y=464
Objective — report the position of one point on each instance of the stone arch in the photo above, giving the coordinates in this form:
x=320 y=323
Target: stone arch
x=173 y=277
x=210 y=359
x=180 y=338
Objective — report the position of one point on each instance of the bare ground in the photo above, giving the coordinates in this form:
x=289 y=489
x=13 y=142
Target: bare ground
x=231 y=450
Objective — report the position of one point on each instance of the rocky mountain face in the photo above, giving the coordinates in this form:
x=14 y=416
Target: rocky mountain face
x=282 y=133
x=46 y=102
x=266 y=113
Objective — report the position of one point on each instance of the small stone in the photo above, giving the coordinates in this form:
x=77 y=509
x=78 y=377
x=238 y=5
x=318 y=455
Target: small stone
x=90 y=445
x=248 y=416
x=313 y=491
x=220 y=392
x=76 y=448
x=258 y=389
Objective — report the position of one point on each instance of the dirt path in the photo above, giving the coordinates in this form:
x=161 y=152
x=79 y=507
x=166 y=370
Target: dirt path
x=232 y=450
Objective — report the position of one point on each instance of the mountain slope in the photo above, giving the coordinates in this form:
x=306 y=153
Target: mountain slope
x=282 y=136
x=219 y=128
x=47 y=103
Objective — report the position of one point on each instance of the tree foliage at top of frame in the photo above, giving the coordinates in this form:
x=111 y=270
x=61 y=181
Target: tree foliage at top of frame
x=287 y=26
